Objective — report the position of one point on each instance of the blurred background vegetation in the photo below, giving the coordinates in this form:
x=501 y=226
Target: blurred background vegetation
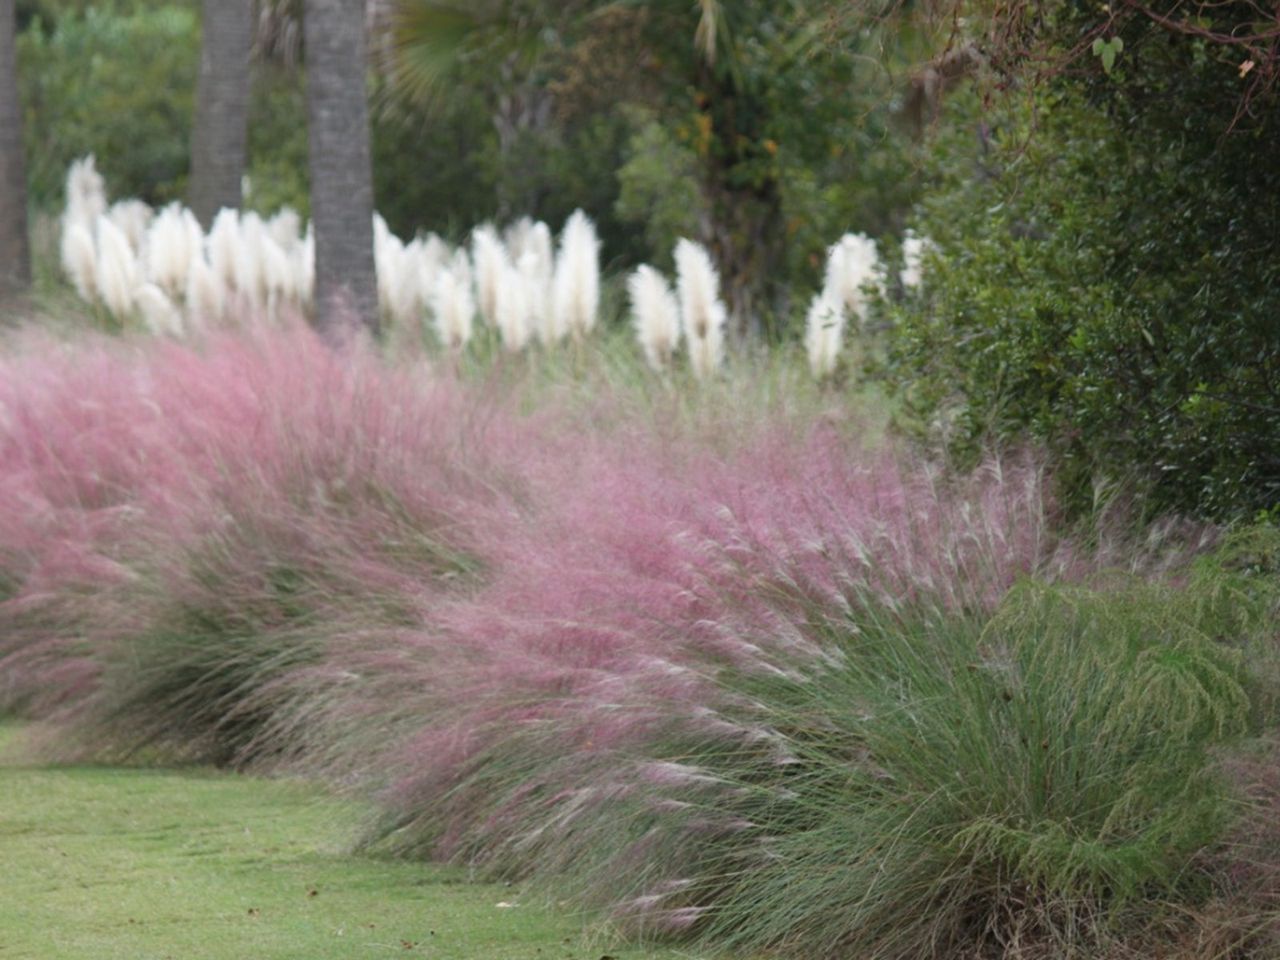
x=1097 y=182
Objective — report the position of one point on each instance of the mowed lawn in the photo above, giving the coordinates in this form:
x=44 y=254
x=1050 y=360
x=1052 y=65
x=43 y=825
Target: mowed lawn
x=99 y=863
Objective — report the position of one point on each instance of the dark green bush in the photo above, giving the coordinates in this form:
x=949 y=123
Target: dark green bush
x=1109 y=282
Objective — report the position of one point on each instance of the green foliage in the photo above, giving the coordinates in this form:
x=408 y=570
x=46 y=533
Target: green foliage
x=954 y=783
x=658 y=189
x=1108 y=283
x=117 y=84
x=277 y=167
x=426 y=174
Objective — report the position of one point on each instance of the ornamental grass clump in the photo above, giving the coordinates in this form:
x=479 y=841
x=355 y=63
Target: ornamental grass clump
x=189 y=526
x=1032 y=783
x=805 y=699
x=611 y=616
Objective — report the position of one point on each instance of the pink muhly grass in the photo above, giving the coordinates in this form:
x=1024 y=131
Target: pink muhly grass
x=268 y=449
x=554 y=706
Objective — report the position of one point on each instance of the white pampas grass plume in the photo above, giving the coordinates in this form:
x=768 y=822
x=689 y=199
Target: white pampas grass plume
x=249 y=263
x=397 y=283
x=460 y=265
x=824 y=334
x=427 y=257
x=489 y=257
x=303 y=262
x=133 y=217
x=852 y=263
x=285 y=227
x=386 y=260
x=527 y=236
x=511 y=309
x=913 y=250
x=159 y=315
x=173 y=240
x=117 y=269
x=537 y=291
x=86 y=193
x=576 y=284
x=276 y=274
x=80 y=259
x=702 y=314
x=206 y=293
x=656 y=314
x=452 y=307
x=222 y=245
x=517 y=237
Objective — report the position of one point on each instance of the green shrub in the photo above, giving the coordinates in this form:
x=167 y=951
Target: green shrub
x=1107 y=282
x=1045 y=782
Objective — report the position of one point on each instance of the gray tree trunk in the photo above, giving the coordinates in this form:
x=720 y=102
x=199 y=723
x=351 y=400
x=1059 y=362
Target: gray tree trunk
x=341 y=169
x=15 y=251
x=219 y=139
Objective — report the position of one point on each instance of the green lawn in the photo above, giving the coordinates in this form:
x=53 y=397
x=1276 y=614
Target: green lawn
x=100 y=863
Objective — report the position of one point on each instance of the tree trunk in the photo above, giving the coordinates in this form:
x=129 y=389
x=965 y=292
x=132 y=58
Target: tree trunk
x=219 y=139
x=15 y=252
x=341 y=169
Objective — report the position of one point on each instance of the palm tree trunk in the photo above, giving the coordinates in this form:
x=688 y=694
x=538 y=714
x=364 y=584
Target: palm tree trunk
x=219 y=138
x=15 y=251
x=341 y=169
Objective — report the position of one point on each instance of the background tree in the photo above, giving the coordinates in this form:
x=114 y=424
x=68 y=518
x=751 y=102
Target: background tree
x=1107 y=279
x=220 y=134
x=341 y=170
x=749 y=97
x=15 y=255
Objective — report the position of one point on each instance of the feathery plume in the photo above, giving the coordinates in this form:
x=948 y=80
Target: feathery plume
x=86 y=193
x=511 y=309
x=159 y=315
x=702 y=314
x=452 y=307
x=913 y=250
x=852 y=263
x=824 y=334
x=489 y=256
x=576 y=284
x=303 y=260
x=427 y=258
x=117 y=269
x=656 y=314
x=285 y=227
x=206 y=293
x=132 y=217
x=222 y=245
x=80 y=259
x=276 y=273
x=173 y=240
x=250 y=261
